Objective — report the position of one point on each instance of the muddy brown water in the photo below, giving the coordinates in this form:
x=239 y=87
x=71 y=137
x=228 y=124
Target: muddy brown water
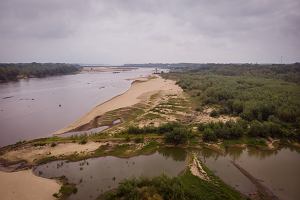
x=276 y=170
x=279 y=170
x=37 y=107
x=97 y=175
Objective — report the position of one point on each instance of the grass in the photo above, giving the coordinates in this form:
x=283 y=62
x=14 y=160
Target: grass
x=66 y=190
x=185 y=187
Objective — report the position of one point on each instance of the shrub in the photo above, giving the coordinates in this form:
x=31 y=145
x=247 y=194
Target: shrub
x=214 y=113
x=209 y=135
x=258 y=129
x=178 y=136
x=83 y=141
x=139 y=140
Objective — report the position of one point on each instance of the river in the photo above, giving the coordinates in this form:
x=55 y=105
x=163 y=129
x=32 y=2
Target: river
x=36 y=107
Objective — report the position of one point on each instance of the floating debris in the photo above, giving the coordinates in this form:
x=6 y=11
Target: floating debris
x=7 y=97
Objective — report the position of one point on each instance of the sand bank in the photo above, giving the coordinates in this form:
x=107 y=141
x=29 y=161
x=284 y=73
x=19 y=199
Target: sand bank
x=26 y=186
x=32 y=153
x=140 y=90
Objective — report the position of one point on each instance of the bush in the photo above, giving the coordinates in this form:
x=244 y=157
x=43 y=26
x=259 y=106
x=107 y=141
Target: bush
x=83 y=141
x=209 y=135
x=258 y=129
x=139 y=140
x=214 y=113
x=134 y=130
x=178 y=136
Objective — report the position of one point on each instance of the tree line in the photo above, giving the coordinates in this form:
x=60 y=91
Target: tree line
x=266 y=102
x=15 y=71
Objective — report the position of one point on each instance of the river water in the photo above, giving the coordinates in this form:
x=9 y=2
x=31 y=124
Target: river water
x=97 y=175
x=36 y=107
x=276 y=170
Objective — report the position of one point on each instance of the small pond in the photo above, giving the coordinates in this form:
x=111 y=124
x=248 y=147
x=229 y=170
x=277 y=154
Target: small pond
x=97 y=175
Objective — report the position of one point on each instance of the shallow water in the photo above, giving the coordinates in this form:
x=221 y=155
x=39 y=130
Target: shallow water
x=97 y=175
x=277 y=170
x=37 y=107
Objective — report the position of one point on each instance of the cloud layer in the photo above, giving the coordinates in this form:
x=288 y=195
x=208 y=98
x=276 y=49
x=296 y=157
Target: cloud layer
x=140 y=31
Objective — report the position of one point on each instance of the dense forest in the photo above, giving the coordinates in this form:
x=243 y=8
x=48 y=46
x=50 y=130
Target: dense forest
x=15 y=71
x=266 y=98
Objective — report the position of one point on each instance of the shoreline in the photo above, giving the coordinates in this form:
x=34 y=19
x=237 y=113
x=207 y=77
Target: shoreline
x=140 y=90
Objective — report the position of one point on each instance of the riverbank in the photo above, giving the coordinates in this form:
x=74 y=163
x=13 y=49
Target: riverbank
x=140 y=90
x=25 y=185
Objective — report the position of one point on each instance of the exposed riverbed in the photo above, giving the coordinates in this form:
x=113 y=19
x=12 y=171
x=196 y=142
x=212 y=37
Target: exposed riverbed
x=37 y=107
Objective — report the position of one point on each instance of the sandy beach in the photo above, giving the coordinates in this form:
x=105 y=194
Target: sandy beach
x=26 y=186
x=140 y=90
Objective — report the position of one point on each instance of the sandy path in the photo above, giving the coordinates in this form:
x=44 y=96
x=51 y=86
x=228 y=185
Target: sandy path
x=26 y=186
x=139 y=91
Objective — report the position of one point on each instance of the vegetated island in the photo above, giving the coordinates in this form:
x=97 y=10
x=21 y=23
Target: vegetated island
x=215 y=107
x=16 y=71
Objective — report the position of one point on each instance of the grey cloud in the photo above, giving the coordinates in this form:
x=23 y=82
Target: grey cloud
x=119 y=31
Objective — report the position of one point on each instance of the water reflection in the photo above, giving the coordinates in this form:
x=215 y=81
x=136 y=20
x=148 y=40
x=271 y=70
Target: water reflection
x=177 y=154
x=278 y=170
x=97 y=175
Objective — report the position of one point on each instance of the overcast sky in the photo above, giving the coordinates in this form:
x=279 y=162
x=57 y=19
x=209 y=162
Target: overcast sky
x=142 y=31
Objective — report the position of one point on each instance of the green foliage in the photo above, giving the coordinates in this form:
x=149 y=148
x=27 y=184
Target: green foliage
x=178 y=136
x=139 y=140
x=228 y=130
x=68 y=189
x=209 y=135
x=53 y=144
x=12 y=72
x=267 y=97
x=184 y=187
x=83 y=139
x=214 y=113
x=174 y=133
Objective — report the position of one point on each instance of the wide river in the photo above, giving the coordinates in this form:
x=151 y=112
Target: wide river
x=37 y=107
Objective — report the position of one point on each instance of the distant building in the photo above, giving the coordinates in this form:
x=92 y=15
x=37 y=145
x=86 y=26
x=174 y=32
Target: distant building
x=156 y=71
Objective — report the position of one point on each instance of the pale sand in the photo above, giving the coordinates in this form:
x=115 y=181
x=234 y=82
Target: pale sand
x=31 y=153
x=140 y=90
x=26 y=186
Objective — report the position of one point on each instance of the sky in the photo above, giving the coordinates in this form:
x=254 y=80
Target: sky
x=144 y=31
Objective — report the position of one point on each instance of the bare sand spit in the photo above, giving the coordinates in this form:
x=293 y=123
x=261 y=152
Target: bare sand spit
x=32 y=153
x=140 y=90
x=26 y=186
